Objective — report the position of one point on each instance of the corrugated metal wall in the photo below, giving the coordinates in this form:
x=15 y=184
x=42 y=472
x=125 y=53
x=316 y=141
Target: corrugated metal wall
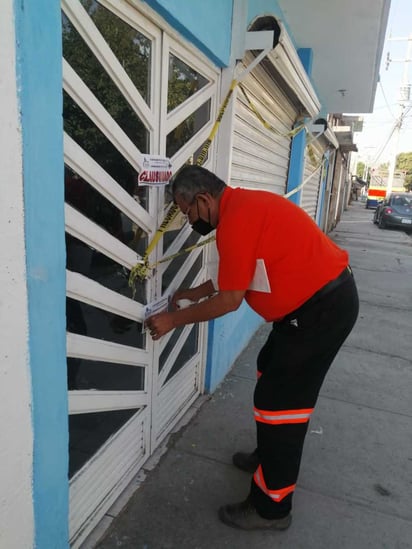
x=260 y=156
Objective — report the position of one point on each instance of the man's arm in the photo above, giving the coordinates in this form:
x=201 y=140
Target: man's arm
x=220 y=304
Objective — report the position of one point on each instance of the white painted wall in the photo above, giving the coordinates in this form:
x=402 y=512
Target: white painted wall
x=16 y=439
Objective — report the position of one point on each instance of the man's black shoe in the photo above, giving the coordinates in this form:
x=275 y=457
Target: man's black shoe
x=246 y=462
x=244 y=515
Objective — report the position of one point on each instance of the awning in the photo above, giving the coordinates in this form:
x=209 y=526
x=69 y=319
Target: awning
x=283 y=63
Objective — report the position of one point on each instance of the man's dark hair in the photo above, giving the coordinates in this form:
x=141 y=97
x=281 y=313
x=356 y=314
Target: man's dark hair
x=192 y=180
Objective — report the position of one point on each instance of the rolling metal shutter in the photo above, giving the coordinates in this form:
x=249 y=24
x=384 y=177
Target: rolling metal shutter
x=313 y=171
x=260 y=157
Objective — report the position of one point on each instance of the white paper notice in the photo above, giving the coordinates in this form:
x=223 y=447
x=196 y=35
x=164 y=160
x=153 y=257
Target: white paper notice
x=260 y=281
x=156 y=170
x=156 y=307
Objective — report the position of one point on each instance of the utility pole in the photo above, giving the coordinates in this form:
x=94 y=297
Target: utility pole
x=404 y=97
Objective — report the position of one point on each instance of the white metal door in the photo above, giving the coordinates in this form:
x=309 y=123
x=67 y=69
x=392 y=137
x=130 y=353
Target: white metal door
x=187 y=117
x=261 y=157
x=129 y=89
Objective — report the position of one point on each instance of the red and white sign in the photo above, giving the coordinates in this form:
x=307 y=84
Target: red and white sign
x=156 y=170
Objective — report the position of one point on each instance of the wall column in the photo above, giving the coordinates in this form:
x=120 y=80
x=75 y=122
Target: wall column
x=39 y=74
x=297 y=151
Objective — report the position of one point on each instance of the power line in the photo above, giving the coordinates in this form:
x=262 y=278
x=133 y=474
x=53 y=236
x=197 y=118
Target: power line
x=386 y=101
x=396 y=125
x=379 y=153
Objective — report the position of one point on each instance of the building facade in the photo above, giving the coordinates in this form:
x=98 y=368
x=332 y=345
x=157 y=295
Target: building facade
x=90 y=89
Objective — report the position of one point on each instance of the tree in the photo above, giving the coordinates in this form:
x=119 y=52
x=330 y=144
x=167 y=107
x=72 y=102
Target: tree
x=404 y=163
x=360 y=169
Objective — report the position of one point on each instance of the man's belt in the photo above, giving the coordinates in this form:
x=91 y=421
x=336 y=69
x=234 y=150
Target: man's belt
x=330 y=286
x=325 y=290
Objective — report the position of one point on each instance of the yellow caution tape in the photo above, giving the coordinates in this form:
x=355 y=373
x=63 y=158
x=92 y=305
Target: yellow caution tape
x=181 y=252
x=141 y=269
x=290 y=133
x=206 y=146
x=312 y=155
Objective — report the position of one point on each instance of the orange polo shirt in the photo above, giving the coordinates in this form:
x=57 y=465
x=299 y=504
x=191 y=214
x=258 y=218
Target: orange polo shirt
x=298 y=257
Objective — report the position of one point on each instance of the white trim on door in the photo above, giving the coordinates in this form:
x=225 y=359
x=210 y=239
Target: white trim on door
x=79 y=346
x=79 y=226
x=86 y=402
x=84 y=289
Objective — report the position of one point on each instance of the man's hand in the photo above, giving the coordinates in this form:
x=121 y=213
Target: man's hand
x=160 y=324
x=218 y=305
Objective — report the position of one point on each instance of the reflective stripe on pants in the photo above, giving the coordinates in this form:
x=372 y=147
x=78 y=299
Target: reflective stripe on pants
x=283 y=416
x=276 y=495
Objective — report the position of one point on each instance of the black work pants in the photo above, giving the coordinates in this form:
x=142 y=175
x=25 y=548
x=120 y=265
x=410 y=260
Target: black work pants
x=291 y=368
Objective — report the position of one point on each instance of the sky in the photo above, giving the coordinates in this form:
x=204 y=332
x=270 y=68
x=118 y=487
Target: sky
x=373 y=145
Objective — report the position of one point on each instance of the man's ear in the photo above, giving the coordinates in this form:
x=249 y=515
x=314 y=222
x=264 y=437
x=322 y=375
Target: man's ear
x=206 y=198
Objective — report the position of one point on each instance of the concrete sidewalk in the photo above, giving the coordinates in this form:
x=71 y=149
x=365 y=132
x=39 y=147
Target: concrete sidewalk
x=355 y=484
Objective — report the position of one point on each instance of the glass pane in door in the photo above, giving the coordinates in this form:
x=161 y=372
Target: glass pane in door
x=190 y=349
x=175 y=264
x=187 y=129
x=104 y=376
x=83 y=319
x=184 y=81
x=88 y=432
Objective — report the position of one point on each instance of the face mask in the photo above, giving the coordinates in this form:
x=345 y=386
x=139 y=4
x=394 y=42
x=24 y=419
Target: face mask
x=201 y=226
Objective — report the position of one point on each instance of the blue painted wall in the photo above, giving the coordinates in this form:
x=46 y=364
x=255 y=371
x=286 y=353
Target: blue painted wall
x=208 y=25
x=228 y=336
x=306 y=58
x=296 y=164
x=38 y=41
x=297 y=150
x=263 y=7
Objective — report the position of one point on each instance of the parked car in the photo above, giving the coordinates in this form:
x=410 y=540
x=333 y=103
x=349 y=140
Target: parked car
x=394 y=211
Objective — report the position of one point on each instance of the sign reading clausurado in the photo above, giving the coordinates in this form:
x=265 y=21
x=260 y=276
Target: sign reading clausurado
x=157 y=170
